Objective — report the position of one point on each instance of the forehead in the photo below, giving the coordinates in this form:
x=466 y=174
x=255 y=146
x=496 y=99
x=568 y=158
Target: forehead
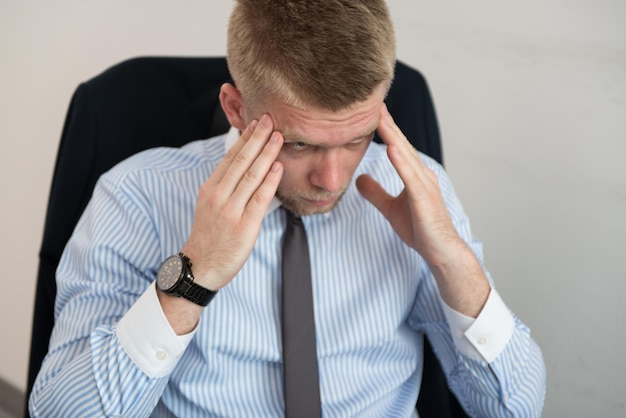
x=327 y=128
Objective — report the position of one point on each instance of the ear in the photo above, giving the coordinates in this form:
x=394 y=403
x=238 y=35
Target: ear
x=232 y=104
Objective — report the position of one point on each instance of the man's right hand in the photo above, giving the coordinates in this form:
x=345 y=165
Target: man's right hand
x=229 y=211
x=232 y=203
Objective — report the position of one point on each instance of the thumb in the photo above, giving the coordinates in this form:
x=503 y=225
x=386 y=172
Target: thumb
x=371 y=190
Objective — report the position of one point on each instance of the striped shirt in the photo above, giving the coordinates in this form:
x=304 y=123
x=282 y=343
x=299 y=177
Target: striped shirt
x=113 y=353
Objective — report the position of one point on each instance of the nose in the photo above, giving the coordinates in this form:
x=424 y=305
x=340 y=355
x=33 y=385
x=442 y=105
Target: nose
x=327 y=173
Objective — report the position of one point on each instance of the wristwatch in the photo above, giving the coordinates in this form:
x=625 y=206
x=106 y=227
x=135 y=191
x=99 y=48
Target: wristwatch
x=175 y=278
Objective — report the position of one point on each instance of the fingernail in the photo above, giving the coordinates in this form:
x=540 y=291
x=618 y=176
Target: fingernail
x=389 y=118
x=265 y=121
x=274 y=137
x=253 y=124
x=275 y=166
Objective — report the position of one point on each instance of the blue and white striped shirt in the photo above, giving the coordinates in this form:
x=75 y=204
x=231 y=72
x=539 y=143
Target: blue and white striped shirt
x=112 y=352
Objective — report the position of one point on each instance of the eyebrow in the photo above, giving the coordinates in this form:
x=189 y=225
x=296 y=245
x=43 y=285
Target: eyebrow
x=294 y=137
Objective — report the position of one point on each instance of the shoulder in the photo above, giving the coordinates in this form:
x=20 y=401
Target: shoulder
x=161 y=162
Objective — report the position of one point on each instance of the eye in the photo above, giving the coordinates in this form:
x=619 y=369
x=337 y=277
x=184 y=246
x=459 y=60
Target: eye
x=297 y=146
x=362 y=140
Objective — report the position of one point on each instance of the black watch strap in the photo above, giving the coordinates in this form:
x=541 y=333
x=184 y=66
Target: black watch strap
x=192 y=291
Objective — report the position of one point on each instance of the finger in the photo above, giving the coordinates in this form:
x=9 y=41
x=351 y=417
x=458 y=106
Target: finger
x=221 y=168
x=404 y=157
x=371 y=190
x=256 y=174
x=261 y=198
x=246 y=156
x=391 y=134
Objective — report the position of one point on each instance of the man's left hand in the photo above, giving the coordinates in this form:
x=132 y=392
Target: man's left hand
x=420 y=217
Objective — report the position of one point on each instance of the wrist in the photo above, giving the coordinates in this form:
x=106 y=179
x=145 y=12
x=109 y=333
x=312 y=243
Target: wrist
x=461 y=280
x=182 y=314
x=204 y=270
x=453 y=255
x=175 y=278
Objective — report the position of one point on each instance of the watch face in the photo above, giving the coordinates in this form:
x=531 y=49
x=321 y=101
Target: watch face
x=169 y=273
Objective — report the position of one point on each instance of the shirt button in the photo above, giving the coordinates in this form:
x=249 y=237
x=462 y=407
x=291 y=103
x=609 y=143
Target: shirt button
x=482 y=341
x=161 y=355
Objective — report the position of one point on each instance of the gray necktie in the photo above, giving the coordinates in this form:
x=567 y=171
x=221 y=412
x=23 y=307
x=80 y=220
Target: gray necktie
x=302 y=392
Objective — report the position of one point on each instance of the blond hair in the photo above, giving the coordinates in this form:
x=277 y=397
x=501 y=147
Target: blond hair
x=322 y=54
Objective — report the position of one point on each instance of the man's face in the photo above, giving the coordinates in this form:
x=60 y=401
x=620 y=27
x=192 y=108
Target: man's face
x=321 y=151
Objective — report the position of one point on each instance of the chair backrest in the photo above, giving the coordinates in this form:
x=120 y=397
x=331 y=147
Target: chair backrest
x=161 y=101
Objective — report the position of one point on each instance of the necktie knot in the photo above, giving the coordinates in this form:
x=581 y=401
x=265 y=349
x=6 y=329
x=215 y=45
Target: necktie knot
x=294 y=219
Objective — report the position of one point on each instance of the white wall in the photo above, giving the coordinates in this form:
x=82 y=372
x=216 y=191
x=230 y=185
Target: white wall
x=531 y=98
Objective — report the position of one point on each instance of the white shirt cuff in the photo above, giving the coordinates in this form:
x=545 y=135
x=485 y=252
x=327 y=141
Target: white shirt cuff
x=147 y=337
x=485 y=337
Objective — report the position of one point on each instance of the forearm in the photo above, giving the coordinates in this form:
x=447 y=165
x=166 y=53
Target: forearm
x=495 y=366
x=100 y=381
x=512 y=385
x=461 y=280
x=120 y=369
x=492 y=363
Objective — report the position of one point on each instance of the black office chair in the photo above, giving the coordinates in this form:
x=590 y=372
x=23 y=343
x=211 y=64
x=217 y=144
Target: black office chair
x=147 y=102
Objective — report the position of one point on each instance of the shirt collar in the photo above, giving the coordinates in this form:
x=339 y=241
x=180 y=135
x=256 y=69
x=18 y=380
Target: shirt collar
x=231 y=138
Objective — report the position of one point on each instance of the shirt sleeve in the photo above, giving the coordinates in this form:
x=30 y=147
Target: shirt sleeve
x=491 y=363
x=111 y=348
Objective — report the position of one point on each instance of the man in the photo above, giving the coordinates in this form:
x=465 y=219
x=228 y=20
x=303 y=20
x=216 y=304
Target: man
x=392 y=255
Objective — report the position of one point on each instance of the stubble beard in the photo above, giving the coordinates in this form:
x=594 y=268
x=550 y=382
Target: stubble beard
x=296 y=202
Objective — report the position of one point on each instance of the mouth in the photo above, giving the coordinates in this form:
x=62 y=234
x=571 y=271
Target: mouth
x=320 y=202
